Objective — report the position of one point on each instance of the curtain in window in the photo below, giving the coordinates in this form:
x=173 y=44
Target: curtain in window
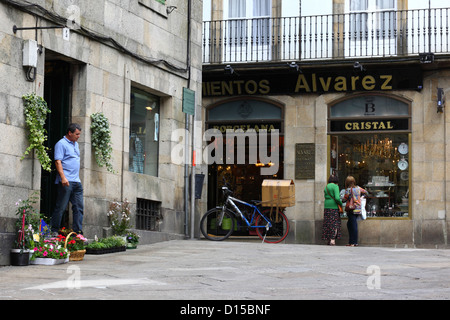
x=385 y=4
x=237 y=28
x=358 y=19
x=261 y=21
x=386 y=20
x=236 y=9
x=359 y=5
x=261 y=8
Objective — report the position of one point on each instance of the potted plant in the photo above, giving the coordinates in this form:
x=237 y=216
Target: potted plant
x=132 y=240
x=119 y=216
x=27 y=231
x=50 y=252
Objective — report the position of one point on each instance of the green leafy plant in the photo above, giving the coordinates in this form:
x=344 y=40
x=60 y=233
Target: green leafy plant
x=101 y=140
x=96 y=245
x=133 y=238
x=36 y=111
x=109 y=242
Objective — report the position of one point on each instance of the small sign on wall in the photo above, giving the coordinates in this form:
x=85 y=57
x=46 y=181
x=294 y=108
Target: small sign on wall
x=188 y=101
x=305 y=161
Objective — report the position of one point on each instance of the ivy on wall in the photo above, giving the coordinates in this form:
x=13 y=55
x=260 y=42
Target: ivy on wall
x=101 y=140
x=36 y=111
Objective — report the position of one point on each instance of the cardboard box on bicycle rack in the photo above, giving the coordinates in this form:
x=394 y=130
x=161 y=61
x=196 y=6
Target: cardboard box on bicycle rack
x=278 y=193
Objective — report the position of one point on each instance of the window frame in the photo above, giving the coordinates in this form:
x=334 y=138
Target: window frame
x=333 y=139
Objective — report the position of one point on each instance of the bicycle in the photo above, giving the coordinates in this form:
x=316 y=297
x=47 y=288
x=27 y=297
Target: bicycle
x=219 y=223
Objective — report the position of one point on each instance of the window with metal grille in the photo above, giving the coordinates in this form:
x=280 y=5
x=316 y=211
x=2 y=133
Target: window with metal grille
x=148 y=215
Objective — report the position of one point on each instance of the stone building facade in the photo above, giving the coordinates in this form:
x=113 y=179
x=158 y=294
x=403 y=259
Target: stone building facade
x=130 y=60
x=330 y=72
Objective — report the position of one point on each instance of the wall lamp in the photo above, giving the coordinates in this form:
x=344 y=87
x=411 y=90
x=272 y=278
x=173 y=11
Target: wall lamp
x=170 y=9
x=294 y=67
x=358 y=67
x=229 y=70
x=426 y=57
x=440 y=100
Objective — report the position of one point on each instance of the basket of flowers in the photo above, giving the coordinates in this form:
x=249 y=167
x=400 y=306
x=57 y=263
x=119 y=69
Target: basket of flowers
x=75 y=244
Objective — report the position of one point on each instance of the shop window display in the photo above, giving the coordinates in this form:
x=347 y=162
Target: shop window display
x=144 y=132
x=380 y=164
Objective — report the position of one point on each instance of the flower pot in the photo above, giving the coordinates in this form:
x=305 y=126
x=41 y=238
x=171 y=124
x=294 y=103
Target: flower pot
x=49 y=261
x=20 y=257
x=131 y=245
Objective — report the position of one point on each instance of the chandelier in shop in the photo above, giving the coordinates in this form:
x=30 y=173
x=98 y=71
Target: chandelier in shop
x=379 y=148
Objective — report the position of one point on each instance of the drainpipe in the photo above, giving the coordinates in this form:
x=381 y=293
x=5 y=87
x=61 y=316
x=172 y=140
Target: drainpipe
x=193 y=124
x=186 y=117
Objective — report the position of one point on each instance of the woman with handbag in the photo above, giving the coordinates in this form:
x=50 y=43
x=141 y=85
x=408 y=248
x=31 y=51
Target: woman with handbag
x=331 y=229
x=352 y=198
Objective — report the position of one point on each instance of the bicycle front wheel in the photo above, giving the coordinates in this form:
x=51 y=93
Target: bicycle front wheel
x=217 y=226
x=279 y=229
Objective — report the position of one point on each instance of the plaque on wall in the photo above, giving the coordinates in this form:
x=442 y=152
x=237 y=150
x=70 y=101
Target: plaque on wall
x=305 y=161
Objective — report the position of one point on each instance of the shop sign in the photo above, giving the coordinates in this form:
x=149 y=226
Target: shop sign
x=245 y=127
x=369 y=125
x=317 y=81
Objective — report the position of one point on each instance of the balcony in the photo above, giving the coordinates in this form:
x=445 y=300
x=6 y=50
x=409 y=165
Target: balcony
x=386 y=34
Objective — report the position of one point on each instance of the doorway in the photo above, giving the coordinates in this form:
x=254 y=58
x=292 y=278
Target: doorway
x=57 y=94
x=256 y=115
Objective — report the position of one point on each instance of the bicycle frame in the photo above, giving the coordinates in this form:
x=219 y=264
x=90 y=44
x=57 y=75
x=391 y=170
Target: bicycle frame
x=230 y=200
x=276 y=228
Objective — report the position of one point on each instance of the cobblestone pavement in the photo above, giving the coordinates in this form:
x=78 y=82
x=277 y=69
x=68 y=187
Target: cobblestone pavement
x=237 y=270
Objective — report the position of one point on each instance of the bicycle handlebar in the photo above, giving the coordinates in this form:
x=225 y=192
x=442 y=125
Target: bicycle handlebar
x=226 y=188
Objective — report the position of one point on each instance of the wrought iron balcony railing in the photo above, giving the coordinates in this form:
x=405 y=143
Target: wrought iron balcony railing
x=336 y=36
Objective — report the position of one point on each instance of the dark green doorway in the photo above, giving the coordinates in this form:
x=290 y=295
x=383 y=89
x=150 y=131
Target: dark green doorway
x=57 y=93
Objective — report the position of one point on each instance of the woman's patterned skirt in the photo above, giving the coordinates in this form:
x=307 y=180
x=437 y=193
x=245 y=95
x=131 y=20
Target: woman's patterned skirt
x=331 y=224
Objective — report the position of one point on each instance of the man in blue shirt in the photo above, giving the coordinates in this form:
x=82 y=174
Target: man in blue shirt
x=67 y=161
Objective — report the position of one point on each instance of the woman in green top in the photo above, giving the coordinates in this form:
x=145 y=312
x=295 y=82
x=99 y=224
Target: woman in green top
x=331 y=217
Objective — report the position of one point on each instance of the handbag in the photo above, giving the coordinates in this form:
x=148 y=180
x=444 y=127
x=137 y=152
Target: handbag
x=341 y=210
x=350 y=204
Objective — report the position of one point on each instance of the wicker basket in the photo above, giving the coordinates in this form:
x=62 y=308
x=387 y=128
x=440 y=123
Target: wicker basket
x=74 y=255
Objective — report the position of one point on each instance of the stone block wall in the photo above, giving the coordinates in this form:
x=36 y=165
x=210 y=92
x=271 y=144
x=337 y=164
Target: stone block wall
x=151 y=54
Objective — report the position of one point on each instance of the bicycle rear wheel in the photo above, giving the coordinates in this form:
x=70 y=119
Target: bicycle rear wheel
x=216 y=227
x=279 y=229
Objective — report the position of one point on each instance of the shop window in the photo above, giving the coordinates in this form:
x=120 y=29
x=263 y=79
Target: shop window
x=374 y=148
x=144 y=132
